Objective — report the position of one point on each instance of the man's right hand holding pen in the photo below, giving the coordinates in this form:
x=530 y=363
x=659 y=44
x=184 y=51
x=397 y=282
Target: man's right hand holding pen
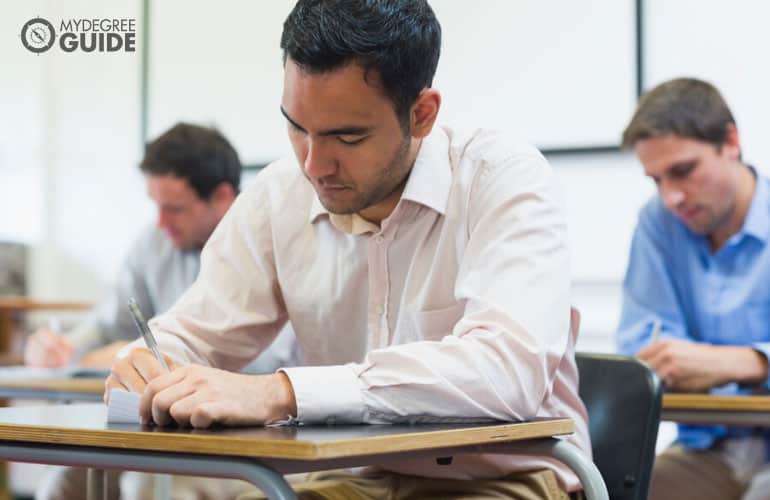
x=47 y=347
x=199 y=396
x=696 y=366
x=195 y=395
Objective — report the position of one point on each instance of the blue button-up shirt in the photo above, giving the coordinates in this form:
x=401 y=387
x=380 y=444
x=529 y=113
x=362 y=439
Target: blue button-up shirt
x=720 y=299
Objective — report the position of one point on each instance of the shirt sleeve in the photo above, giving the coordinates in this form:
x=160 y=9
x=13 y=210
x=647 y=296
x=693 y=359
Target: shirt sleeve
x=111 y=321
x=499 y=360
x=234 y=309
x=649 y=293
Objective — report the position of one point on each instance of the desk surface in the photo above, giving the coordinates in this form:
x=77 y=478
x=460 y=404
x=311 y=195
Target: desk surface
x=715 y=410
x=69 y=385
x=27 y=304
x=85 y=425
x=712 y=402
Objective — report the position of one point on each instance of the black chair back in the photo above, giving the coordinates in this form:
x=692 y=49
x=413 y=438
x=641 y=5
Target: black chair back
x=623 y=397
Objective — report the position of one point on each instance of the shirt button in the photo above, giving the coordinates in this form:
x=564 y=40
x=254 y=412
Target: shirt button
x=379 y=239
x=380 y=309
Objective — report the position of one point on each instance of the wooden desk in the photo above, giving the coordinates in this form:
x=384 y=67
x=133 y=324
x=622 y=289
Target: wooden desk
x=70 y=389
x=710 y=409
x=10 y=307
x=78 y=435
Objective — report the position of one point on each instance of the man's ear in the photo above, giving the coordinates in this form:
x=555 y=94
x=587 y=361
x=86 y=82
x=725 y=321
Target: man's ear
x=424 y=112
x=222 y=196
x=732 y=144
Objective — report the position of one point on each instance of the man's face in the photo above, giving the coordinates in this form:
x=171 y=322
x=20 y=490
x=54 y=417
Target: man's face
x=187 y=219
x=347 y=139
x=693 y=178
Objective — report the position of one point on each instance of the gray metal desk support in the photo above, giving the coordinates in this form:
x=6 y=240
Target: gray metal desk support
x=268 y=480
x=76 y=435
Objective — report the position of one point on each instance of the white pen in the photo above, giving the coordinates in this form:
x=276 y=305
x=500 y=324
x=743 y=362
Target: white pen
x=656 y=326
x=141 y=324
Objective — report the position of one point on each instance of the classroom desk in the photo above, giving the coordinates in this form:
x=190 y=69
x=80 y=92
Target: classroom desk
x=711 y=409
x=54 y=389
x=10 y=307
x=78 y=435
x=67 y=389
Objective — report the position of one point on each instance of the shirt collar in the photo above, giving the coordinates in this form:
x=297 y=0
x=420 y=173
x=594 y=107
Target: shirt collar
x=430 y=181
x=757 y=223
x=429 y=184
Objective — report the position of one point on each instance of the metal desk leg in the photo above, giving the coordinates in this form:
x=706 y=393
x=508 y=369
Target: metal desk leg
x=96 y=485
x=271 y=482
x=161 y=486
x=569 y=455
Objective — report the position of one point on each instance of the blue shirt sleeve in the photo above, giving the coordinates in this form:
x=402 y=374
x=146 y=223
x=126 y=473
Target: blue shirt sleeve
x=764 y=349
x=649 y=288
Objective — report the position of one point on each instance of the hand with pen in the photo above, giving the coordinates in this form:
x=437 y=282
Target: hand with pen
x=195 y=395
x=48 y=348
x=696 y=366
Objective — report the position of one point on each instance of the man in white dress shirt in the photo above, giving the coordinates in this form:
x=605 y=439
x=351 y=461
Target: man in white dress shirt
x=424 y=270
x=192 y=175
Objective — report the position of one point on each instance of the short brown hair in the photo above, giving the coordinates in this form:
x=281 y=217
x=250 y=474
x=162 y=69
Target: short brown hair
x=686 y=107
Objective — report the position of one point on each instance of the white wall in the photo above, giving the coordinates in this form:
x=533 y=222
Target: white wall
x=69 y=144
x=69 y=130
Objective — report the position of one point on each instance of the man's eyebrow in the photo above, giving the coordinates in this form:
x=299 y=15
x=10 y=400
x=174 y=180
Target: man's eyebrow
x=680 y=166
x=344 y=130
x=288 y=118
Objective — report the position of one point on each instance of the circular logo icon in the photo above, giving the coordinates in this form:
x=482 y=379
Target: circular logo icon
x=37 y=35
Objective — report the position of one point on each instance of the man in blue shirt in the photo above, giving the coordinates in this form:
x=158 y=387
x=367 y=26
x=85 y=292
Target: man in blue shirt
x=696 y=302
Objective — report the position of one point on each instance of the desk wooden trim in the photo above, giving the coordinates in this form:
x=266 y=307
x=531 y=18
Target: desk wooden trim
x=58 y=389
x=27 y=304
x=74 y=385
x=712 y=409
x=220 y=443
x=713 y=402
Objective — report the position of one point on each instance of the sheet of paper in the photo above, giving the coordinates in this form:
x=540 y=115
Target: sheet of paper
x=123 y=407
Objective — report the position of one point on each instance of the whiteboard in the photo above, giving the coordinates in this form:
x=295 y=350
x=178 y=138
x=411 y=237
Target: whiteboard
x=727 y=47
x=562 y=75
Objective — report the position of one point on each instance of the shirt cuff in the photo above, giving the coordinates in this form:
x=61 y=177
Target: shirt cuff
x=326 y=394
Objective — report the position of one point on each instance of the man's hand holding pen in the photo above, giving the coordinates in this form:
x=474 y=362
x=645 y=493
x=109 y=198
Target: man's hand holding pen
x=200 y=396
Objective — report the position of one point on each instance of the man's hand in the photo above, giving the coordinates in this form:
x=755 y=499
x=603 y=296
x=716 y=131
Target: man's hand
x=692 y=366
x=200 y=396
x=135 y=371
x=103 y=357
x=48 y=349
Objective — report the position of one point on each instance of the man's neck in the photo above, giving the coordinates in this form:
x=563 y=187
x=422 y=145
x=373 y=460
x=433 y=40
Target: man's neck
x=746 y=182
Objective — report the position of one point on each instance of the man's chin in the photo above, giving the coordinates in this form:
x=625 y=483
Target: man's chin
x=338 y=207
x=177 y=241
x=700 y=228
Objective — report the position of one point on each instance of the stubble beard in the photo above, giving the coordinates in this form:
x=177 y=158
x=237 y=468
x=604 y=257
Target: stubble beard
x=388 y=181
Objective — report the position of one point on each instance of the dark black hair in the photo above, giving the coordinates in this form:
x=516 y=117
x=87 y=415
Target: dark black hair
x=199 y=154
x=400 y=39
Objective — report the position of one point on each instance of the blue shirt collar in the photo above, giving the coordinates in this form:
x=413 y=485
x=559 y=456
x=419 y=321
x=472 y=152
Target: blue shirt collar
x=757 y=223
